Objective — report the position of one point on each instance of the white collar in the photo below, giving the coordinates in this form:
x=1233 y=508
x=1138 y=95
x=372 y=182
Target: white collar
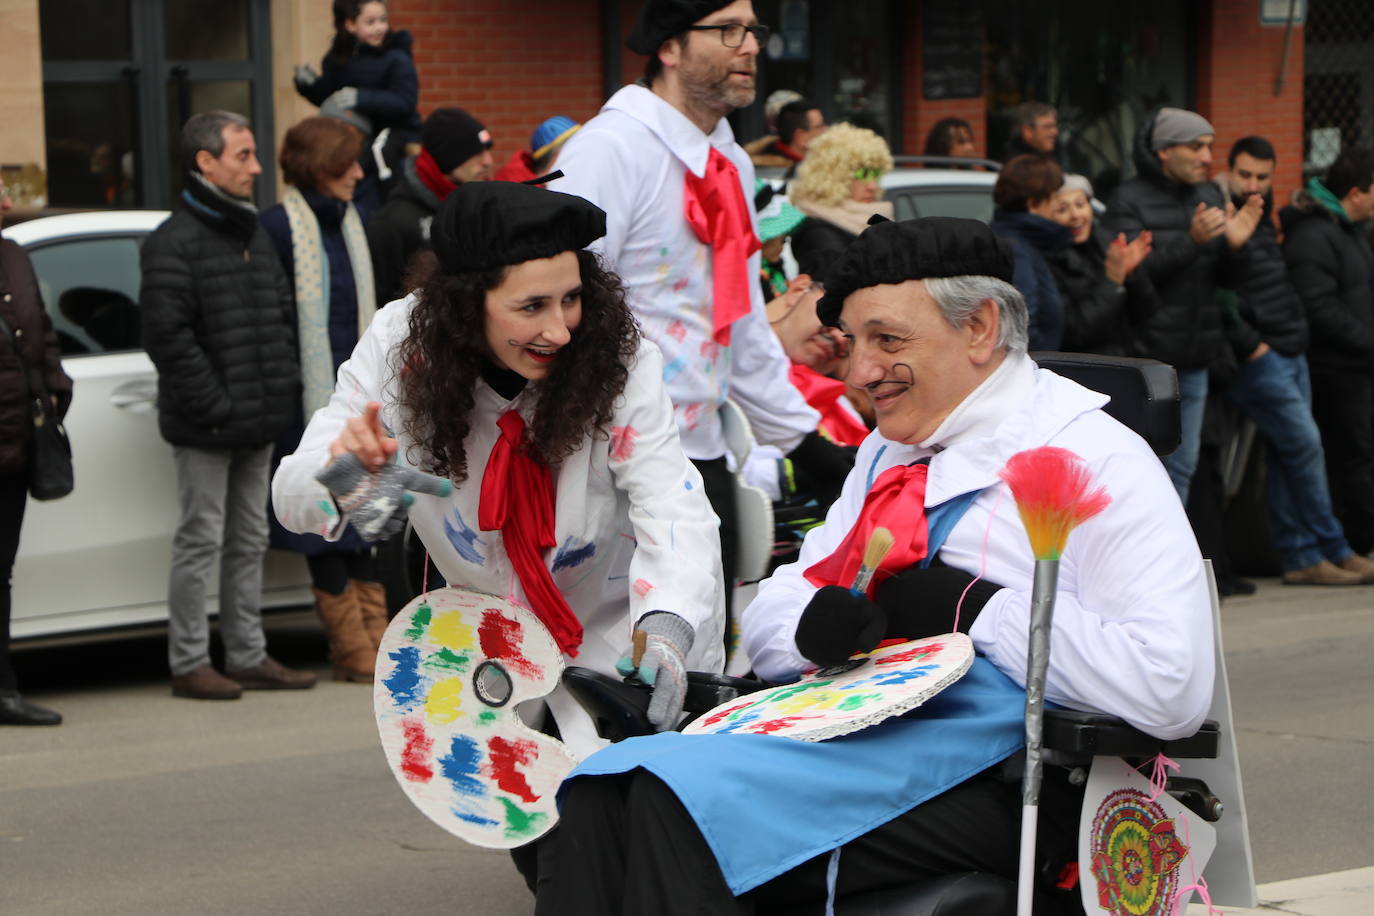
x=683 y=138
x=983 y=410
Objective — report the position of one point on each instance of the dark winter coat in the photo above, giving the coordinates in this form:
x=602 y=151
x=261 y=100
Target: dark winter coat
x=1032 y=239
x=1268 y=306
x=388 y=87
x=343 y=291
x=219 y=326
x=400 y=230
x=1185 y=330
x=817 y=245
x=21 y=306
x=1099 y=316
x=1328 y=261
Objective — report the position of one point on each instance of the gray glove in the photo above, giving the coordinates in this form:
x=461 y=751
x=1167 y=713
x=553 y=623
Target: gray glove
x=376 y=503
x=344 y=99
x=662 y=664
x=304 y=76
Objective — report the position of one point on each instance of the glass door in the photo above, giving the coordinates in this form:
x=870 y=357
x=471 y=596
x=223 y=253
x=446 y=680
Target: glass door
x=117 y=90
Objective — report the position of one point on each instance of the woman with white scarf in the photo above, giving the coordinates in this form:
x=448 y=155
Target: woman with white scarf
x=319 y=235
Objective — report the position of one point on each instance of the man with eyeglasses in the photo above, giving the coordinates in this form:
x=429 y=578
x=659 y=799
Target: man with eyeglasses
x=661 y=160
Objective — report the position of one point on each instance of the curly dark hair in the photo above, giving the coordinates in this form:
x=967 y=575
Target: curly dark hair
x=440 y=360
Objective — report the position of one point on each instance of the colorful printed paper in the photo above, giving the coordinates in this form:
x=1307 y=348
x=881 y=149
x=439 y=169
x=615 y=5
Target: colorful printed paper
x=452 y=667
x=893 y=680
x=1137 y=856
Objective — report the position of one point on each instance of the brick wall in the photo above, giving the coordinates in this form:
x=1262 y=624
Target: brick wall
x=1238 y=63
x=920 y=114
x=512 y=65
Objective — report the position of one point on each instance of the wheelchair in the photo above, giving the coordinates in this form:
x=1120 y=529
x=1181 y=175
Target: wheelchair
x=1144 y=397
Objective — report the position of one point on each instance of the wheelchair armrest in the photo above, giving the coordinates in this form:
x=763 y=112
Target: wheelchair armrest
x=619 y=708
x=1094 y=734
x=1143 y=392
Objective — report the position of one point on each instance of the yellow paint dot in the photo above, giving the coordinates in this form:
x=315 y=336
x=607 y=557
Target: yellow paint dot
x=450 y=630
x=445 y=701
x=811 y=700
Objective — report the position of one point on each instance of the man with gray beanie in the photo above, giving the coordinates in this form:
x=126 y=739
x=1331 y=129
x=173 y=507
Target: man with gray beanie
x=454 y=149
x=1194 y=228
x=681 y=231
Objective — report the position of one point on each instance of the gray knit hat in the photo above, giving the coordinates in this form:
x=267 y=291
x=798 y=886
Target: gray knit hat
x=1176 y=125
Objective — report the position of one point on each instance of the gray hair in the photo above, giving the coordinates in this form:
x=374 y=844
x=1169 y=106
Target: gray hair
x=1027 y=113
x=205 y=131
x=1074 y=182
x=959 y=297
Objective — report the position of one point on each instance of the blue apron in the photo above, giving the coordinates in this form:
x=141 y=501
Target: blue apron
x=755 y=797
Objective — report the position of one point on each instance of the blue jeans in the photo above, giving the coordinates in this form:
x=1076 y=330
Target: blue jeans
x=1192 y=404
x=1275 y=392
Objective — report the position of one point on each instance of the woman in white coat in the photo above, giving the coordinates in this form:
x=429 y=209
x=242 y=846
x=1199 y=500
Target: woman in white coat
x=516 y=371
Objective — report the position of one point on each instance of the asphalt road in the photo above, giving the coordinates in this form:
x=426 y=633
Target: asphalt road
x=282 y=802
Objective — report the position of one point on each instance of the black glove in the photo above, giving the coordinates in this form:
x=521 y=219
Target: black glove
x=821 y=467
x=920 y=602
x=836 y=624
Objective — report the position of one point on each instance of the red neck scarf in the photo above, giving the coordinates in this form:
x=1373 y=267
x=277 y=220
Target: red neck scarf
x=824 y=394
x=718 y=214
x=788 y=151
x=433 y=177
x=517 y=498
x=897 y=502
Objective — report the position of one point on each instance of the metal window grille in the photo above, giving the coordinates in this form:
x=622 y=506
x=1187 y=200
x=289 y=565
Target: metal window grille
x=1338 y=80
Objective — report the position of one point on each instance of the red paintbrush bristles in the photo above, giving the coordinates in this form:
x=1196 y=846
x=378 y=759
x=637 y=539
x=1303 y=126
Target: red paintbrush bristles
x=1054 y=495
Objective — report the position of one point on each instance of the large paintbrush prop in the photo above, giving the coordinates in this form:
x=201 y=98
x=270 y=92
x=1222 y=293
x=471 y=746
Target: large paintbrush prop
x=1054 y=494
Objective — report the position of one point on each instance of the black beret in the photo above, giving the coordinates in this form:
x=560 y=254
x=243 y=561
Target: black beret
x=486 y=224
x=914 y=249
x=660 y=20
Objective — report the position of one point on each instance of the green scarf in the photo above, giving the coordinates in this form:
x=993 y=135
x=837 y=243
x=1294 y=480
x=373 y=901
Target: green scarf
x=312 y=294
x=1330 y=201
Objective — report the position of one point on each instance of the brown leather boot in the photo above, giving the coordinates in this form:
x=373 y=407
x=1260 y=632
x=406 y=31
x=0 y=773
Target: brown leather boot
x=1323 y=573
x=350 y=648
x=1361 y=566
x=372 y=602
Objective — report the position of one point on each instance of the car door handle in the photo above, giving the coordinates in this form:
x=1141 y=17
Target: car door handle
x=136 y=396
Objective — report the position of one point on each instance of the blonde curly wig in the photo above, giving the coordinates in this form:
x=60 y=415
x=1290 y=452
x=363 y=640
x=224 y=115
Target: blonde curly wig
x=825 y=174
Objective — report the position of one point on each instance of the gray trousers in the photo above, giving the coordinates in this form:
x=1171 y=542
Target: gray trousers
x=223 y=495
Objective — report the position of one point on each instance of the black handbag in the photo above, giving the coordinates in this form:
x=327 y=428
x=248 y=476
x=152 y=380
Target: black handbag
x=50 y=461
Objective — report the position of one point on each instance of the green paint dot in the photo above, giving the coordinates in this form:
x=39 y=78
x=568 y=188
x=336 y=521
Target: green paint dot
x=419 y=621
x=328 y=508
x=857 y=700
x=795 y=689
x=518 y=822
x=486 y=717
x=447 y=660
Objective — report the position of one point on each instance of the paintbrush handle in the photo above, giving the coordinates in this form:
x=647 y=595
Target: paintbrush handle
x=861 y=580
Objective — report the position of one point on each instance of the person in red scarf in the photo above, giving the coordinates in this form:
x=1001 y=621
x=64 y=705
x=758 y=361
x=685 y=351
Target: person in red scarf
x=516 y=372
x=454 y=149
x=661 y=160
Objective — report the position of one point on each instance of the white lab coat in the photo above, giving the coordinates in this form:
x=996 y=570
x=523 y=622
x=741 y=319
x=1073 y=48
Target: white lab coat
x=634 y=528
x=631 y=160
x=1132 y=631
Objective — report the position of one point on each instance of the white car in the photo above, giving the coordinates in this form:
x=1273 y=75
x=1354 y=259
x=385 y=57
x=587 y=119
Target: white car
x=100 y=557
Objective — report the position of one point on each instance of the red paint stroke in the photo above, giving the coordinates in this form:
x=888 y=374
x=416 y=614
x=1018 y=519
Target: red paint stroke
x=680 y=285
x=505 y=756
x=769 y=726
x=416 y=754
x=715 y=717
x=642 y=587
x=710 y=351
x=691 y=415
x=909 y=655
x=501 y=638
x=623 y=442
x=678 y=331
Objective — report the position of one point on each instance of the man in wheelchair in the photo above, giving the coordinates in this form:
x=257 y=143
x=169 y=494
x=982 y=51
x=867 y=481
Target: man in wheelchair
x=739 y=824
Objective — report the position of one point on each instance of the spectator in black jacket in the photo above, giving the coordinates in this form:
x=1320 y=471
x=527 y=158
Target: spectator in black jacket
x=1035 y=131
x=217 y=323
x=1272 y=387
x=1191 y=227
x=1027 y=199
x=455 y=148
x=1329 y=263
x=1105 y=298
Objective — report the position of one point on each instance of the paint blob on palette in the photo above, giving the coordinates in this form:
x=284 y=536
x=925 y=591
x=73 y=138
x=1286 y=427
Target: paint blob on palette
x=452 y=668
x=892 y=680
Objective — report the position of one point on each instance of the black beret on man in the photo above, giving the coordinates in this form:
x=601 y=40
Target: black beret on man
x=914 y=249
x=488 y=224
x=660 y=20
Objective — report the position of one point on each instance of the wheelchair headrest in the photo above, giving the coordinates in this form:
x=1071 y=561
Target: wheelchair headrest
x=1143 y=392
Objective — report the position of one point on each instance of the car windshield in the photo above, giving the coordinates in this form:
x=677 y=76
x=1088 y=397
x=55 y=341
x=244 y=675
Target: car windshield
x=970 y=203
